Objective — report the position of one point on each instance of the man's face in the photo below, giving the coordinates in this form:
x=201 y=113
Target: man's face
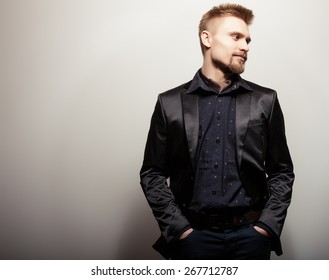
x=229 y=38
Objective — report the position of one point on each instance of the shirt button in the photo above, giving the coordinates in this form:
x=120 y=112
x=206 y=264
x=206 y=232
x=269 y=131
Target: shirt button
x=216 y=166
x=213 y=192
x=219 y=118
x=217 y=141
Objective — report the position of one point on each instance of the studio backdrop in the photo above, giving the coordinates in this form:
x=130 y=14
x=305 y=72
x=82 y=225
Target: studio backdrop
x=78 y=84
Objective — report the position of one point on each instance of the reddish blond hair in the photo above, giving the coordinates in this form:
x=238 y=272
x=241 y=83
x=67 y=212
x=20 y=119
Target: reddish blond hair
x=234 y=10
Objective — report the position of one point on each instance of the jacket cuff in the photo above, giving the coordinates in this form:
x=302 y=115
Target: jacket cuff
x=276 y=243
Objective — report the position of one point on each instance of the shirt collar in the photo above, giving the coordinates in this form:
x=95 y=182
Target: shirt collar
x=200 y=81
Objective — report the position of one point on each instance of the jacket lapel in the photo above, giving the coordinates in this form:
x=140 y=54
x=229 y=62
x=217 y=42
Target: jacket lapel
x=242 y=120
x=191 y=121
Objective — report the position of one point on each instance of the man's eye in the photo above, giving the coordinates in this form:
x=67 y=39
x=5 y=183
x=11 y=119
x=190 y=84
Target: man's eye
x=235 y=36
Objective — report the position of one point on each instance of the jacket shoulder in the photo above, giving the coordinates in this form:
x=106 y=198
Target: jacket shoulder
x=175 y=90
x=260 y=89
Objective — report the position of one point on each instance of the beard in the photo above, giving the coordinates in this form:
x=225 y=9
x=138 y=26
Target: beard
x=234 y=66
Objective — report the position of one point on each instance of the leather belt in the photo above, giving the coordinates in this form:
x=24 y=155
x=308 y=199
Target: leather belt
x=223 y=220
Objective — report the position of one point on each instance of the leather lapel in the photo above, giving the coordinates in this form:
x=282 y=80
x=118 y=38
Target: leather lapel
x=191 y=121
x=242 y=120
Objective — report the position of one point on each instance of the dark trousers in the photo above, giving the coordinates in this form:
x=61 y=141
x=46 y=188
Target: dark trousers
x=244 y=243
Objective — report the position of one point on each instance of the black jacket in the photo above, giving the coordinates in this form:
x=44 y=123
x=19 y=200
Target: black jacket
x=264 y=163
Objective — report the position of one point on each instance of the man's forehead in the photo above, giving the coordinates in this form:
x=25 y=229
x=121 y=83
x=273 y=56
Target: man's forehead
x=228 y=24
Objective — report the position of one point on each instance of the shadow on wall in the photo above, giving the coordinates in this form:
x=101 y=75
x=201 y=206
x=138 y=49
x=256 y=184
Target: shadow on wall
x=139 y=234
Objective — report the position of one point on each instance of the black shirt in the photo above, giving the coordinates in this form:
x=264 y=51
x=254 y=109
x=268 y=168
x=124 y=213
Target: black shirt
x=217 y=183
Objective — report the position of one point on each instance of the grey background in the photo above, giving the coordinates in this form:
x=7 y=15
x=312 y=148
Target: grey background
x=78 y=84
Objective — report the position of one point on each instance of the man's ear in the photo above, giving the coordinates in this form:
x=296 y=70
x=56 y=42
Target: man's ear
x=206 y=38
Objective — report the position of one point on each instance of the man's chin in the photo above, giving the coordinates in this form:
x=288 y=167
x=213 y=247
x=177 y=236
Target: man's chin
x=237 y=68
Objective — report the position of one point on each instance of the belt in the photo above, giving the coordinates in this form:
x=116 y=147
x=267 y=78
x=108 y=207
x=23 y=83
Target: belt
x=223 y=219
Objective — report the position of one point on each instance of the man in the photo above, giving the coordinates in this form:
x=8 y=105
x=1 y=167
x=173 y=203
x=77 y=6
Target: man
x=217 y=171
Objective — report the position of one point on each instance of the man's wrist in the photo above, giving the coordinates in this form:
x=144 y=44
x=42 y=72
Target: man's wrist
x=186 y=233
x=262 y=231
x=265 y=227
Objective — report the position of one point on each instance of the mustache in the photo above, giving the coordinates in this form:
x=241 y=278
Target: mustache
x=241 y=54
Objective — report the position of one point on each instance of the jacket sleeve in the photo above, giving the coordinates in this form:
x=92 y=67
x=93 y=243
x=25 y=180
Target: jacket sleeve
x=154 y=174
x=279 y=169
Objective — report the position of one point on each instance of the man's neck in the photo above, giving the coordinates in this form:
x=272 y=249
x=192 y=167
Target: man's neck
x=218 y=77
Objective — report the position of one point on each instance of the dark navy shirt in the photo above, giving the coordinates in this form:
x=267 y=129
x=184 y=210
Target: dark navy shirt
x=217 y=182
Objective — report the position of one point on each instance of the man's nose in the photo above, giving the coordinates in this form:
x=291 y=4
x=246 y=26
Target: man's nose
x=244 y=46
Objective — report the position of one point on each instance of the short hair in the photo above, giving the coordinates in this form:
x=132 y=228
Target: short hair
x=234 y=10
